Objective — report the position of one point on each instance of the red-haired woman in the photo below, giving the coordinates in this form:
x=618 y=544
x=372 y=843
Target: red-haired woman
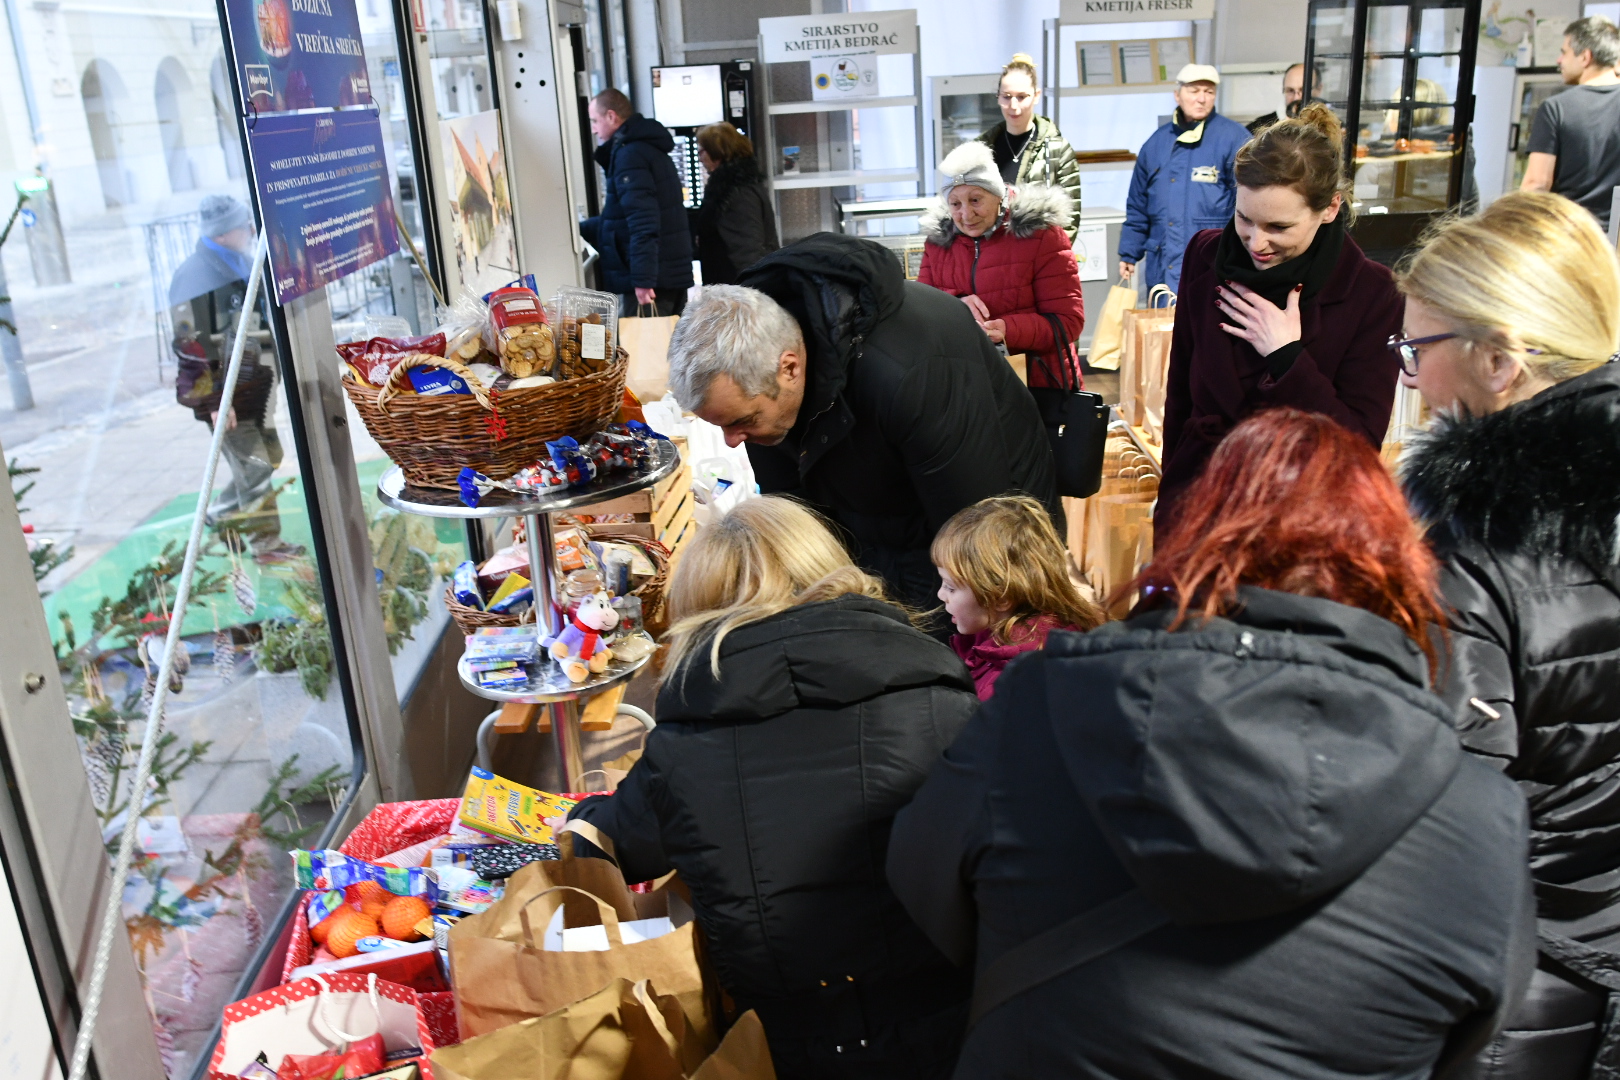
x=1244 y=798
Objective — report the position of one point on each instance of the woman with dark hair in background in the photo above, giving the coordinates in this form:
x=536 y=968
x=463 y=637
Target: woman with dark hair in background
x=1244 y=797
x=1512 y=322
x=736 y=226
x=1280 y=308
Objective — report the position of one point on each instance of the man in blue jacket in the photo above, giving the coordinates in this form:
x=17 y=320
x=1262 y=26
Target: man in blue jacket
x=642 y=235
x=1182 y=182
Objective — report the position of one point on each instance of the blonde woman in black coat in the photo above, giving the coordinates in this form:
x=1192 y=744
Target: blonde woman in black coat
x=1512 y=322
x=798 y=713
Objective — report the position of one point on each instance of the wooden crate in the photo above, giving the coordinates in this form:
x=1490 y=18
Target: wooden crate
x=652 y=507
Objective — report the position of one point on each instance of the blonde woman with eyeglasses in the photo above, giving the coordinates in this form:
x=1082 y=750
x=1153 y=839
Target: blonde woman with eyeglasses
x=1028 y=148
x=1511 y=327
x=799 y=711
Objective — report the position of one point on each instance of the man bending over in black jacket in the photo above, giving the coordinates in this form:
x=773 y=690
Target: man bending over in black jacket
x=876 y=399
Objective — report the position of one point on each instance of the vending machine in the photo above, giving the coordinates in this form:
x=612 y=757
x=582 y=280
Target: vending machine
x=687 y=98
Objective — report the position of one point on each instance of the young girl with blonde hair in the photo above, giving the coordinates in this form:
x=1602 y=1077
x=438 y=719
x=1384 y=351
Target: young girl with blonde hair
x=799 y=712
x=1004 y=579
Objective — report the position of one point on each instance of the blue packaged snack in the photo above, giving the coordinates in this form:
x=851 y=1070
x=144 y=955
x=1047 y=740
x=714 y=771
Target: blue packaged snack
x=513 y=600
x=465 y=586
x=431 y=381
x=570 y=462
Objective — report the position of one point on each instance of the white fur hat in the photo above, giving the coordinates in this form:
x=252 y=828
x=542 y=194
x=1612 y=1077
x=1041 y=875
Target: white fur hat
x=971 y=163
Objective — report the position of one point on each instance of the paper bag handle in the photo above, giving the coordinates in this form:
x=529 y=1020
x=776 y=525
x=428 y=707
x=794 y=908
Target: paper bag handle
x=1159 y=291
x=590 y=832
x=321 y=1000
x=643 y=992
x=610 y=918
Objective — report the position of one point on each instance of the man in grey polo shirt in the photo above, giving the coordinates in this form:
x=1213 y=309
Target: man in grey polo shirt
x=1575 y=136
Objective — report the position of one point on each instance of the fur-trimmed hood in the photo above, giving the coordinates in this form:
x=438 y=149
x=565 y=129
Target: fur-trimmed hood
x=1539 y=478
x=1027 y=211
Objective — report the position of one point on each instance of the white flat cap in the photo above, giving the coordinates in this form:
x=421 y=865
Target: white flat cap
x=1198 y=73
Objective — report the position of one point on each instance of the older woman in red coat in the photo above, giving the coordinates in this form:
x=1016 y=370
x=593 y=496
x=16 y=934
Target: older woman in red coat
x=1006 y=254
x=1280 y=308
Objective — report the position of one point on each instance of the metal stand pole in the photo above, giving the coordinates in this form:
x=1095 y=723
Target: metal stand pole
x=542 y=556
x=565 y=724
x=548 y=623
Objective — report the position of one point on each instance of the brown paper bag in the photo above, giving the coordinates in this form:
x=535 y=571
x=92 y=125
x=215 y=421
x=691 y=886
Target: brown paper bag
x=1134 y=365
x=501 y=974
x=625 y=1031
x=1154 y=353
x=647 y=342
x=1107 y=332
x=1020 y=367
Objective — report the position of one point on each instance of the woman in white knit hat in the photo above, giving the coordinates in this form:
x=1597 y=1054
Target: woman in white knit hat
x=1005 y=251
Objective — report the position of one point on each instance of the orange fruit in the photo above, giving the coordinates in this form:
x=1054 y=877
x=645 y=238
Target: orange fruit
x=340 y=941
x=363 y=891
x=319 y=931
x=400 y=917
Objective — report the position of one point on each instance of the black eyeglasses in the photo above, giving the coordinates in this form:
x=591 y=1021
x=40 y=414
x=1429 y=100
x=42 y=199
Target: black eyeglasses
x=1407 y=349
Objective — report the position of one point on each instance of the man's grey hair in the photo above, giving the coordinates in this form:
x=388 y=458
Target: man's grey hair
x=733 y=331
x=1597 y=35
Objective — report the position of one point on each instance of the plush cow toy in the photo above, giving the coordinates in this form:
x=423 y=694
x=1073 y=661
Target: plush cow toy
x=582 y=648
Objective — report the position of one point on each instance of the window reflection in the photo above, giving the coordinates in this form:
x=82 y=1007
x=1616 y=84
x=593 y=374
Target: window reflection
x=126 y=277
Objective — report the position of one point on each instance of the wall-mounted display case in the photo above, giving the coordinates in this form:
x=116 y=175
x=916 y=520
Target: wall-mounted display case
x=1400 y=75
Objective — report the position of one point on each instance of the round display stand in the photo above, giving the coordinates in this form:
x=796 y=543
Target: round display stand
x=548 y=684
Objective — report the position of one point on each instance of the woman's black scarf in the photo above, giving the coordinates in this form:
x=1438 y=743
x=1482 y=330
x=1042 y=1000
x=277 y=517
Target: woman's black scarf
x=1313 y=269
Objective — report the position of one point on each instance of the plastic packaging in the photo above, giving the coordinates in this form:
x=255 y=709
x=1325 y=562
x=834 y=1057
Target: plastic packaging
x=629 y=609
x=587 y=331
x=523 y=340
x=334 y=870
x=465 y=586
x=465 y=327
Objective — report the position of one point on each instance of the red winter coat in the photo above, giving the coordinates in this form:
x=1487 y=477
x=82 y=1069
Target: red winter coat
x=1022 y=269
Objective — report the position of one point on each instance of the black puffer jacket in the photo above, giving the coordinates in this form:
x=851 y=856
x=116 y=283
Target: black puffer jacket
x=1344 y=882
x=909 y=413
x=736 y=226
x=642 y=235
x=772 y=791
x=1523 y=506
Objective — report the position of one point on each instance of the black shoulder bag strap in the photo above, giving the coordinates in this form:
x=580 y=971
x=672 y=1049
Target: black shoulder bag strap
x=1060 y=342
x=1070 y=944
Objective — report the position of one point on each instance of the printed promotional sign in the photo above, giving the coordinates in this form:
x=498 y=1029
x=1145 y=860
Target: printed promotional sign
x=842 y=49
x=298 y=54
x=324 y=193
x=480 y=200
x=1091 y=252
x=1108 y=11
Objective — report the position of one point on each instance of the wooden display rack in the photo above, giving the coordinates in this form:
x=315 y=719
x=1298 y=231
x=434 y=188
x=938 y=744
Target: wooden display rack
x=662 y=512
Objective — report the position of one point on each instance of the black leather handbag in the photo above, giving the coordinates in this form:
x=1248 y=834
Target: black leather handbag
x=1076 y=423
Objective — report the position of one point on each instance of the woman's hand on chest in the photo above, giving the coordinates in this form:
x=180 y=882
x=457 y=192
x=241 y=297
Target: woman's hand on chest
x=1257 y=320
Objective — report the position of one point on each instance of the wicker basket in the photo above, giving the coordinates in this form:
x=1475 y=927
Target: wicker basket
x=433 y=437
x=468 y=619
x=654 y=612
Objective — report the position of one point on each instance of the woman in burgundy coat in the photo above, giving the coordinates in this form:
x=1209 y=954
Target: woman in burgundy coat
x=1279 y=308
x=1006 y=254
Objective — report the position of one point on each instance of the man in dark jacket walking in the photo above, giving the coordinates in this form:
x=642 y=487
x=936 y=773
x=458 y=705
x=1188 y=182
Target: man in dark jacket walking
x=878 y=400
x=642 y=235
x=206 y=295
